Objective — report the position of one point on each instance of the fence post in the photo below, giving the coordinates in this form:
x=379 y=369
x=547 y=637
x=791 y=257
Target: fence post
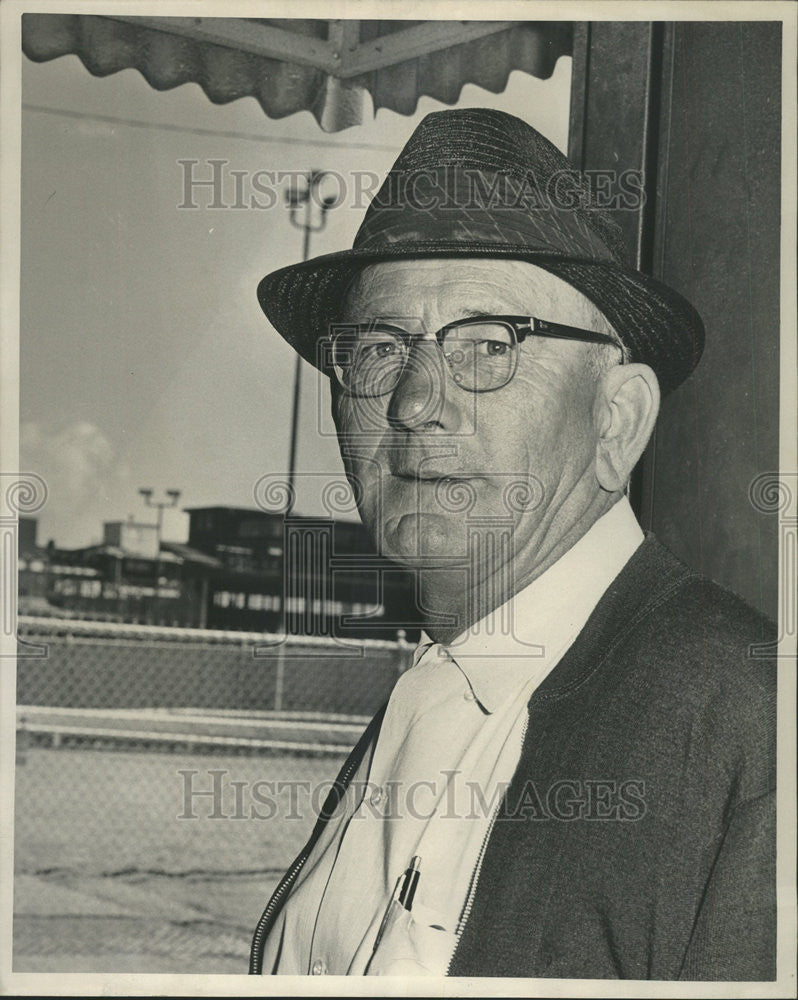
x=279 y=679
x=22 y=740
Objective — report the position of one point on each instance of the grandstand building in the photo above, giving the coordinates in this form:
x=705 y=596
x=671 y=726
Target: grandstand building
x=309 y=576
x=241 y=569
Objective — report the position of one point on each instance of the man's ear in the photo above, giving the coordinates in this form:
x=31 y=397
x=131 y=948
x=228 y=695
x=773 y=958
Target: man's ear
x=627 y=404
x=335 y=398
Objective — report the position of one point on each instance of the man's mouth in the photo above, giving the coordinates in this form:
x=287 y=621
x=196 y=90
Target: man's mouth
x=438 y=480
x=431 y=477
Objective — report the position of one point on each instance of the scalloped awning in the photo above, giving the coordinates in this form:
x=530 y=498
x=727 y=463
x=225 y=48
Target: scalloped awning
x=326 y=67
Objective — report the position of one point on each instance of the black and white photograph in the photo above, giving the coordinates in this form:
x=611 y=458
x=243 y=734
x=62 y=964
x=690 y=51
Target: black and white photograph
x=398 y=498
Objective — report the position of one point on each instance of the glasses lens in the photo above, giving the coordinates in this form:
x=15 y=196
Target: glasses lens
x=368 y=362
x=481 y=356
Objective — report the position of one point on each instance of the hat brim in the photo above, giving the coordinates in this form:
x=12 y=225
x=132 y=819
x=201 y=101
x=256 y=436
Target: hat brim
x=658 y=326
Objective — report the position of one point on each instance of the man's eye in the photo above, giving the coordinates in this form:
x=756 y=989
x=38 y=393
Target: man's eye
x=493 y=348
x=382 y=349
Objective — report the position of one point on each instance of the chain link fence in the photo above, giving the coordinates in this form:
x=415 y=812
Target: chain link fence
x=166 y=778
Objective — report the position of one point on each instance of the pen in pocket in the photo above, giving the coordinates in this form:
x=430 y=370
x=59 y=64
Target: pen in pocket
x=410 y=883
x=405 y=887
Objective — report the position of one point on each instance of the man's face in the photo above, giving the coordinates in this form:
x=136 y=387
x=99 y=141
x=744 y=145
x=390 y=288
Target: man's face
x=431 y=461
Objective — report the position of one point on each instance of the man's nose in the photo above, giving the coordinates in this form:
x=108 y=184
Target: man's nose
x=419 y=401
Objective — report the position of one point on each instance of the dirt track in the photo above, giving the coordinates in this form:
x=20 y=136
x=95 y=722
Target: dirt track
x=112 y=877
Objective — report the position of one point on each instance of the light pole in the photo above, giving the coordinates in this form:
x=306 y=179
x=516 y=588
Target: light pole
x=295 y=197
x=160 y=506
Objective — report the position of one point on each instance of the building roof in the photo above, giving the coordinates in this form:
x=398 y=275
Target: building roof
x=188 y=554
x=234 y=510
x=258 y=511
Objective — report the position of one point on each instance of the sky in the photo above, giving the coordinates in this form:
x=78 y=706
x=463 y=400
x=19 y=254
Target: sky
x=145 y=360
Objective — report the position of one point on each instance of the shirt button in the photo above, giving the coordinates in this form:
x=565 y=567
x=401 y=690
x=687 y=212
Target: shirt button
x=319 y=968
x=377 y=796
x=469 y=695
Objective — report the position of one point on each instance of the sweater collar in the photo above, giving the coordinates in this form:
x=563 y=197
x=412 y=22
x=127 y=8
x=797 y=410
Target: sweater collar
x=651 y=576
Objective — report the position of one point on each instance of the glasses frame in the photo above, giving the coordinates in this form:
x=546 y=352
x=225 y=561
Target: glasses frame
x=520 y=327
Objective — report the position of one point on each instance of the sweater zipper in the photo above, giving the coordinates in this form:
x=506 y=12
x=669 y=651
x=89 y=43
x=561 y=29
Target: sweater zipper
x=263 y=928
x=465 y=913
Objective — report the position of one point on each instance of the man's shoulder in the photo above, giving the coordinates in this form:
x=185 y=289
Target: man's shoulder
x=704 y=656
x=692 y=620
x=674 y=661
x=664 y=625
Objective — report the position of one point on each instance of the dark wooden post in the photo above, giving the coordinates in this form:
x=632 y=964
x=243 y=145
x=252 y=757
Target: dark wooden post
x=697 y=107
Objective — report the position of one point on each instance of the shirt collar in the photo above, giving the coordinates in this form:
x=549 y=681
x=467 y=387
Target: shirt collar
x=526 y=637
x=424 y=643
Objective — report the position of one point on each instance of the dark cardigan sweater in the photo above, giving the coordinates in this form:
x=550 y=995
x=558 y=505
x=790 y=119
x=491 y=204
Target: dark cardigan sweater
x=637 y=838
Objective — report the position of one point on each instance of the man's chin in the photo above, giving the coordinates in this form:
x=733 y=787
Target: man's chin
x=426 y=540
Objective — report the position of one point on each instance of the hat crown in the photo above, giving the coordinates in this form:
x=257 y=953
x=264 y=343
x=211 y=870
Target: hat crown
x=478 y=137
x=479 y=173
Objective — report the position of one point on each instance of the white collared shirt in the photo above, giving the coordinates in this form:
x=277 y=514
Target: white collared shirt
x=448 y=747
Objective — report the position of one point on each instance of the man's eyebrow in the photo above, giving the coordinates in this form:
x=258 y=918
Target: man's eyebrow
x=401 y=321
x=474 y=313
x=367 y=318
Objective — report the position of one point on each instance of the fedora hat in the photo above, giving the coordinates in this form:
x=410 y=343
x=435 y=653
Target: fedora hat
x=482 y=183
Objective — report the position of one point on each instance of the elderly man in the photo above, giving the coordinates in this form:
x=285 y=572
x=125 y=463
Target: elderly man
x=576 y=776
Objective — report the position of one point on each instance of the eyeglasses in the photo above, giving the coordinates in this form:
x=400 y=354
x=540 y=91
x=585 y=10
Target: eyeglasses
x=481 y=353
